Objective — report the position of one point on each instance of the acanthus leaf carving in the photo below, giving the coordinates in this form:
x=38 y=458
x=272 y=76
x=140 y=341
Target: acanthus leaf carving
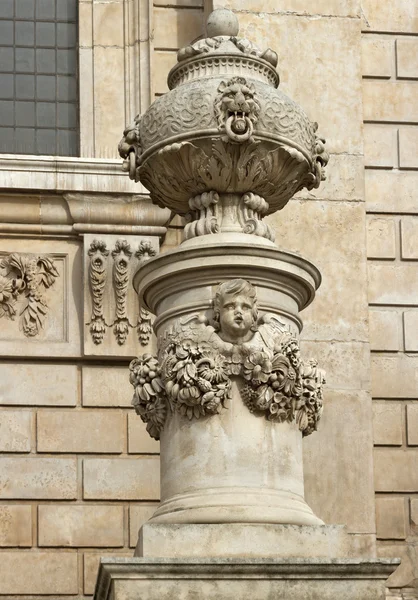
x=121 y=257
x=28 y=275
x=98 y=253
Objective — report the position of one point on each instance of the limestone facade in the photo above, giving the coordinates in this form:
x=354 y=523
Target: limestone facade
x=78 y=473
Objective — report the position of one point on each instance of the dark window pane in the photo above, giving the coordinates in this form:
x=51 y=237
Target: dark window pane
x=25 y=60
x=6 y=33
x=6 y=9
x=66 y=10
x=45 y=114
x=66 y=142
x=67 y=89
x=45 y=35
x=45 y=61
x=6 y=87
x=45 y=87
x=24 y=33
x=6 y=59
x=6 y=113
x=66 y=115
x=45 y=9
x=46 y=141
x=25 y=114
x=7 y=140
x=25 y=87
x=66 y=35
x=25 y=9
x=25 y=141
x=66 y=62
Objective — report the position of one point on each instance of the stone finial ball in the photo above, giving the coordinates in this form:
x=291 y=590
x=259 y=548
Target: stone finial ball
x=222 y=22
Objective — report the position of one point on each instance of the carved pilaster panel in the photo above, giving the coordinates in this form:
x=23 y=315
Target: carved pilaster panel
x=114 y=323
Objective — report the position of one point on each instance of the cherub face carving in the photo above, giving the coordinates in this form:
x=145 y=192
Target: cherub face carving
x=236 y=311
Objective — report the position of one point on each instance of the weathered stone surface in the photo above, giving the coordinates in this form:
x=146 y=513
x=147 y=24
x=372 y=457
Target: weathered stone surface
x=408 y=147
x=15 y=525
x=377 y=57
x=409 y=236
x=395 y=470
x=394 y=101
x=38 y=478
x=380 y=146
x=407 y=572
x=393 y=284
x=387 y=423
x=91 y=567
x=164 y=60
x=167 y=36
x=407 y=58
x=34 y=384
x=121 y=479
x=345 y=470
x=414 y=512
x=412 y=424
x=108 y=24
x=410 y=321
x=391 y=191
x=85 y=29
x=394 y=376
x=139 y=441
x=65 y=525
x=384 y=330
x=80 y=431
x=383 y=17
x=106 y=386
x=138 y=515
x=296 y=7
x=15 y=431
x=390 y=518
x=381 y=237
x=38 y=573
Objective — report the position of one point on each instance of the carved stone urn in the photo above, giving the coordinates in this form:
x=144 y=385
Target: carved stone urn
x=228 y=393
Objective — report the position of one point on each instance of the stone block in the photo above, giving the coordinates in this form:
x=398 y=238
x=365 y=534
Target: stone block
x=414 y=512
x=139 y=440
x=328 y=8
x=91 y=525
x=391 y=191
x=393 y=283
x=120 y=314
x=163 y=62
x=344 y=181
x=390 y=101
x=37 y=478
x=59 y=335
x=175 y=28
x=34 y=384
x=306 y=40
x=109 y=80
x=407 y=58
x=38 y=573
x=91 y=567
x=380 y=146
x=243 y=540
x=377 y=57
x=394 y=376
x=138 y=515
x=381 y=16
x=410 y=323
x=390 y=518
x=108 y=25
x=244 y=579
x=332 y=227
x=381 y=237
x=106 y=386
x=408 y=147
x=85 y=28
x=409 y=238
x=395 y=470
x=15 y=431
x=407 y=572
x=412 y=425
x=121 y=479
x=16 y=525
x=339 y=481
x=81 y=431
x=86 y=99
x=189 y=3
x=384 y=330
x=387 y=423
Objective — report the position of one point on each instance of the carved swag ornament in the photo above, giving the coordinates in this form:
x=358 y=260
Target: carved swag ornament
x=196 y=361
